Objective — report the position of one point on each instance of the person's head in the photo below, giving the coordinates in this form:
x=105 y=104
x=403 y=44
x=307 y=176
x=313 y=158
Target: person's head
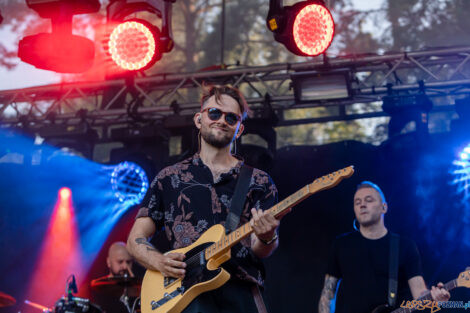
x=119 y=260
x=369 y=204
x=223 y=109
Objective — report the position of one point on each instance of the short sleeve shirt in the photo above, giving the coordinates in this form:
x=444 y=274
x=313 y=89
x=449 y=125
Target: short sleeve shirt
x=363 y=264
x=185 y=201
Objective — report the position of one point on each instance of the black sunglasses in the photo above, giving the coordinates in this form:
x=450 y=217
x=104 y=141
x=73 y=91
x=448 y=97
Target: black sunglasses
x=215 y=114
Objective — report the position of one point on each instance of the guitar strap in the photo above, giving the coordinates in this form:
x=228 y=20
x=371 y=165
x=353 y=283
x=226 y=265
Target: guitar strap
x=393 y=270
x=233 y=218
x=238 y=198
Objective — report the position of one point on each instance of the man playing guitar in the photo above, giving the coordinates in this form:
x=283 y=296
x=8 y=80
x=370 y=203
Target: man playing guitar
x=190 y=196
x=361 y=260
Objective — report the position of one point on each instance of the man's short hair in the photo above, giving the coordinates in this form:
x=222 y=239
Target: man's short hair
x=369 y=184
x=219 y=90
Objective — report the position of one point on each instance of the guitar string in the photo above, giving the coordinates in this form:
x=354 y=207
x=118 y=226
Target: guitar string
x=195 y=258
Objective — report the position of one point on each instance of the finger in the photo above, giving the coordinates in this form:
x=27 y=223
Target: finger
x=176 y=256
x=262 y=220
x=175 y=263
x=173 y=272
x=254 y=219
x=271 y=220
x=254 y=214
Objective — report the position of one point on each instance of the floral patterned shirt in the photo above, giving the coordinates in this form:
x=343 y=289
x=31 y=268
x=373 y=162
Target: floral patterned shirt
x=185 y=201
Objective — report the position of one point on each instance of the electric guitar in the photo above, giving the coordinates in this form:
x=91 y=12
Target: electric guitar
x=205 y=256
x=425 y=301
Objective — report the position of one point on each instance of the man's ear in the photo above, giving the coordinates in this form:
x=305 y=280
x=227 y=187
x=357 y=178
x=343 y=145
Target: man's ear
x=240 y=130
x=197 y=119
x=108 y=262
x=385 y=207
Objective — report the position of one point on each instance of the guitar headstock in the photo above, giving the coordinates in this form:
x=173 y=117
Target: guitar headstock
x=331 y=180
x=464 y=278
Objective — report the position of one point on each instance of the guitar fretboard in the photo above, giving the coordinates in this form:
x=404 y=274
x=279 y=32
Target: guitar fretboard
x=448 y=286
x=238 y=234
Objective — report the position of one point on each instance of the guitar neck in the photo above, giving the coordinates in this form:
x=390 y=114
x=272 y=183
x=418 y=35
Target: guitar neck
x=427 y=296
x=238 y=234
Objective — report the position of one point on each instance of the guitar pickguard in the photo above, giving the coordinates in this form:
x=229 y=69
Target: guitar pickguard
x=196 y=267
x=196 y=273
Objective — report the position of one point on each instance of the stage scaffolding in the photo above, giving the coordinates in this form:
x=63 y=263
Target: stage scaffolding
x=444 y=72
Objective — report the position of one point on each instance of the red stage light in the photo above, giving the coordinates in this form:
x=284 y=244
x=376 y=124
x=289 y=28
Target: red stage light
x=60 y=256
x=313 y=29
x=58 y=53
x=60 y=50
x=65 y=193
x=305 y=28
x=134 y=45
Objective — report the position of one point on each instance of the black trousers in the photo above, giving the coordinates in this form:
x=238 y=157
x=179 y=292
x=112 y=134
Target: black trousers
x=233 y=297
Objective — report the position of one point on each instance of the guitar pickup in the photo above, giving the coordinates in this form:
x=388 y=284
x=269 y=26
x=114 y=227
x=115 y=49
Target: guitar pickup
x=167 y=281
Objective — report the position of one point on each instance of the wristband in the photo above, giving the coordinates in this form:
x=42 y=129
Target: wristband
x=268 y=242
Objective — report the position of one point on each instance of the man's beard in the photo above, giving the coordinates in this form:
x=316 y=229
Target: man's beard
x=119 y=273
x=218 y=142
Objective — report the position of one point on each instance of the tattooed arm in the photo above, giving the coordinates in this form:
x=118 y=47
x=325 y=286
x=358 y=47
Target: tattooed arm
x=327 y=294
x=169 y=264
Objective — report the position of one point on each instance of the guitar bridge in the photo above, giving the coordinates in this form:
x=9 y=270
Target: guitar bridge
x=166 y=297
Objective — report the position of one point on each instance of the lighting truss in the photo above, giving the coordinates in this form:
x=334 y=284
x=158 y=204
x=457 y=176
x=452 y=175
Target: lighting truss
x=443 y=72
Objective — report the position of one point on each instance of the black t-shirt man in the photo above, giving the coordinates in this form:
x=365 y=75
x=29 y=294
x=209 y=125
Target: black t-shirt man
x=363 y=264
x=360 y=261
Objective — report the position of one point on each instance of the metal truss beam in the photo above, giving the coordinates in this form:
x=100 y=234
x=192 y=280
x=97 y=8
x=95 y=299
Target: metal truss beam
x=444 y=72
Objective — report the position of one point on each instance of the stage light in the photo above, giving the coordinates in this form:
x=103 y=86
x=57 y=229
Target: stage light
x=461 y=172
x=62 y=54
x=464 y=156
x=135 y=45
x=305 y=28
x=315 y=86
x=65 y=193
x=60 y=50
x=129 y=183
x=61 y=254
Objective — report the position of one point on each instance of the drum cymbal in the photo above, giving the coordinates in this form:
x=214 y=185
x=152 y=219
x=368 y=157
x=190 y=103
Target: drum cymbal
x=6 y=300
x=116 y=285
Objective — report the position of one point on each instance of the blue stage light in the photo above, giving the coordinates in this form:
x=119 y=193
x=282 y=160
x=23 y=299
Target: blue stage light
x=129 y=183
x=461 y=172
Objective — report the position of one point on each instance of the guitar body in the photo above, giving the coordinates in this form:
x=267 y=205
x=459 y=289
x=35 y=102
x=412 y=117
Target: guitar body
x=169 y=295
